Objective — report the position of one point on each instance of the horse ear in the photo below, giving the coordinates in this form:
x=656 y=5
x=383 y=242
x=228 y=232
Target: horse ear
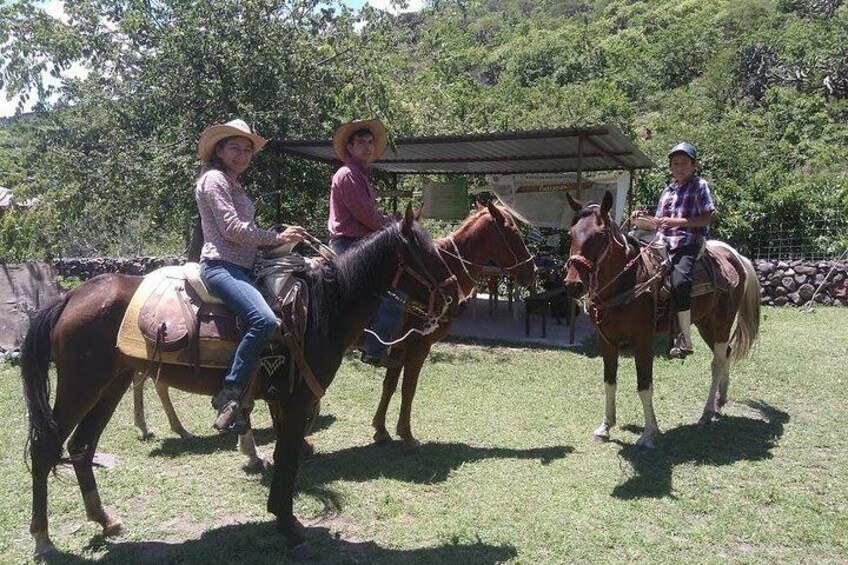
x=495 y=212
x=478 y=205
x=606 y=205
x=408 y=219
x=418 y=215
x=575 y=204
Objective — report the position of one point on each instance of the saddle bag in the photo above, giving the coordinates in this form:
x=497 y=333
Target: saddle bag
x=166 y=320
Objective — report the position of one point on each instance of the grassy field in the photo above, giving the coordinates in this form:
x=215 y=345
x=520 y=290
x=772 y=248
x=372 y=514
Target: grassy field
x=507 y=472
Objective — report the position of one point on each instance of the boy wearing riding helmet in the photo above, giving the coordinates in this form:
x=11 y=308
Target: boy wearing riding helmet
x=683 y=219
x=231 y=240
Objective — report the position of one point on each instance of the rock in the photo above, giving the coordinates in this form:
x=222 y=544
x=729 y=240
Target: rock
x=780 y=301
x=782 y=265
x=790 y=272
x=806 y=270
x=795 y=298
x=826 y=300
x=806 y=291
x=789 y=284
x=765 y=267
x=800 y=279
x=779 y=291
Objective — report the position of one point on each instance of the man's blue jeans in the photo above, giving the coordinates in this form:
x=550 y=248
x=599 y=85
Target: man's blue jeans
x=389 y=318
x=235 y=286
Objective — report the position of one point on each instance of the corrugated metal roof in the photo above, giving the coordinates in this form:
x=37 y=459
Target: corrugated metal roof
x=602 y=148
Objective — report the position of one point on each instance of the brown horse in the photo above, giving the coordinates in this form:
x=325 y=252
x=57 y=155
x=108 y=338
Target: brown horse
x=603 y=265
x=79 y=335
x=487 y=237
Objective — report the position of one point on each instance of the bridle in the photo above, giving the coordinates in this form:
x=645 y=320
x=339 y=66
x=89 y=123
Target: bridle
x=466 y=263
x=431 y=315
x=592 y=299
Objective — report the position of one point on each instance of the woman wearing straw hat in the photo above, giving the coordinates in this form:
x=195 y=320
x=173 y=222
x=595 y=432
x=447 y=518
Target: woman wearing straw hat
x=231 y=239
x=354 y=215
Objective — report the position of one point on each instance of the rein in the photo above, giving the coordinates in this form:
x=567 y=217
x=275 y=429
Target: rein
x=593 y=300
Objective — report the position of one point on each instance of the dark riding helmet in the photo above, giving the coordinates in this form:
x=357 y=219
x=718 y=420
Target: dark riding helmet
x=684 y=147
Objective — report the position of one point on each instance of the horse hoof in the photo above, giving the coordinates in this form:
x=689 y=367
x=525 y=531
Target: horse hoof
x=147 y=436
x=113 y=529
x=411 y=445
x=602 y=433
x=382 y=438
x=44 y=548
x=302 y=552
x=258 y=464
x=646 y=442
x=185 y=434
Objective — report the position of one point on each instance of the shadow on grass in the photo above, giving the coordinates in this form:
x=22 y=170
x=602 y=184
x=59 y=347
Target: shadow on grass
x=730 y=439
x=259 y=542
x=172 y=447
x=432 y=463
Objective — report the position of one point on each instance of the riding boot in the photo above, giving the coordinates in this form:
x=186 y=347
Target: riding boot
x=683 y=347
x=230 y=415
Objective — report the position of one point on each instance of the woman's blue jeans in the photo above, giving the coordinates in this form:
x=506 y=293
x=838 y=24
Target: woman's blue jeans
x=235 y=286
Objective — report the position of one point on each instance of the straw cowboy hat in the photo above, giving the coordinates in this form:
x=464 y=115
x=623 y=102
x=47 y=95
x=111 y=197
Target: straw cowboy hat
x=344 y=132
x=214 y=134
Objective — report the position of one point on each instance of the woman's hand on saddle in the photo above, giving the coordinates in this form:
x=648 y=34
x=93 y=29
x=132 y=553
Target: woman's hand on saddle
x=292 y=234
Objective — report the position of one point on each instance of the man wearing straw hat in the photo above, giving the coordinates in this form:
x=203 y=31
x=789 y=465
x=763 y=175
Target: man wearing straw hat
x=231 y=240
x=354 y=215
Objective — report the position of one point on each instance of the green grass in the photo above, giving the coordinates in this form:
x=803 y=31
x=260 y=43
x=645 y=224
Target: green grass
x=507 y=472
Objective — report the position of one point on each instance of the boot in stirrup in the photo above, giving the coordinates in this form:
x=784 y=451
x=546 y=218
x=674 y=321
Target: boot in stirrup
x=230 y=417
x=683 y=346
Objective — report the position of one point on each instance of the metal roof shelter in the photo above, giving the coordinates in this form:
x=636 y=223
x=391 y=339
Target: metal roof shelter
x=597 y=148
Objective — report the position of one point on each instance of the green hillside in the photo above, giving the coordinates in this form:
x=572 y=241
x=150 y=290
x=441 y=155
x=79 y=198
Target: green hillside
x=761 y=87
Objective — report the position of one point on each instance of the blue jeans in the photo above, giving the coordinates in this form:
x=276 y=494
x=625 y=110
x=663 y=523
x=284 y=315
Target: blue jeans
x=387 y=323
x=234 y=285
x=389 y=318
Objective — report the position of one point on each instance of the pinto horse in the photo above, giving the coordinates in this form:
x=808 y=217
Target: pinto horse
x=79 y=335
x=488 y=237
x=601 y=266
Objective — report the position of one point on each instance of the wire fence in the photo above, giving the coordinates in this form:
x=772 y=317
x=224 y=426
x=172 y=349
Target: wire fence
x=813 y=239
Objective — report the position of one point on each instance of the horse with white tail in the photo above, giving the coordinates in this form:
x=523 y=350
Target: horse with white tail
x=621 y=296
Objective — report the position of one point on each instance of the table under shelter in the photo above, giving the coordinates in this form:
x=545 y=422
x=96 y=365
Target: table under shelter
x=529 y=172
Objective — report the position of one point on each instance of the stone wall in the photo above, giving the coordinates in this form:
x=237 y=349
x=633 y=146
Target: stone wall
x=782 y=282
x=795 y=282
x=84 y=269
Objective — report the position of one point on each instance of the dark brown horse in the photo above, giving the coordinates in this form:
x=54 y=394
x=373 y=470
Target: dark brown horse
x=603 y=265
x=488 y=237
x=79 y=335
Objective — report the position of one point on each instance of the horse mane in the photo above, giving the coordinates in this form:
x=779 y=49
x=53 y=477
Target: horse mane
x=355 y=273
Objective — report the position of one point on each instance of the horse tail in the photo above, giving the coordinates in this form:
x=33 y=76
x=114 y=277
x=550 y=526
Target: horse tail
x=35 y=363
x=748 y=317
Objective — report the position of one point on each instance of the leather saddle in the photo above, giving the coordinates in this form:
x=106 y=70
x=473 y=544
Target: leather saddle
x=713 y=271
x=174 y=318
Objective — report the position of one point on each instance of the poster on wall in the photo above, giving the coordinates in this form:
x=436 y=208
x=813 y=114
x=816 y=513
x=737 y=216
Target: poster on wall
x=445 y=201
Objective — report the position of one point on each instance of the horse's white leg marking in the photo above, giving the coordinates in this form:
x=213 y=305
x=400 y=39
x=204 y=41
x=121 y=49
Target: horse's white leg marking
x=651 y=428
x=602 y=432
x=247 y=446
